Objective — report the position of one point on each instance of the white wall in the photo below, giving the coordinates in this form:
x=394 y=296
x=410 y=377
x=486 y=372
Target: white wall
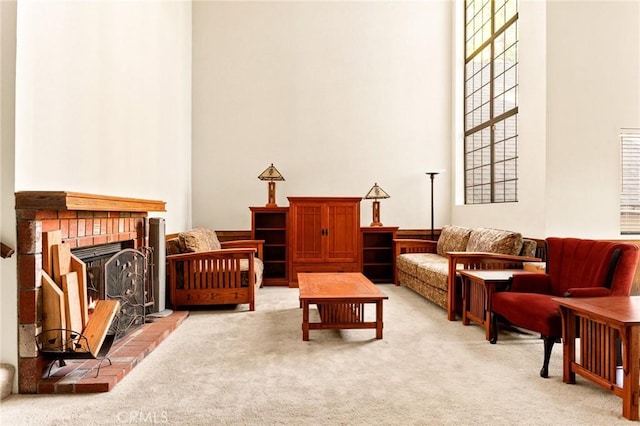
x=593 y=76
x=8 y=289
x=104 y=100
x=338 y=95
x=579 y=80
x=103 y=105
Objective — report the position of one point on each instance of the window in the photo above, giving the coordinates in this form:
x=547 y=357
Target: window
x=630 y=180
x=491 y=101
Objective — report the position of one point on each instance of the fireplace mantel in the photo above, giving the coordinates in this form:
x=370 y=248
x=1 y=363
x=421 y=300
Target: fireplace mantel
x=63 y=200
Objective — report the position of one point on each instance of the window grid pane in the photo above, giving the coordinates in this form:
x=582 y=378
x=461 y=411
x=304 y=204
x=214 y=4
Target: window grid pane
x=491 y=102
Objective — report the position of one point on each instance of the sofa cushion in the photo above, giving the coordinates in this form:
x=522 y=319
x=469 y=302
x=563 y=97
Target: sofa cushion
x=453 y=238
x=427 y=267
x=495 y=241
x=198 y=239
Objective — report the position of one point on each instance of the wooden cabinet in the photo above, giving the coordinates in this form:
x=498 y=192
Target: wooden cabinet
x=324 y=235
x=270 y=224
x=378 y=262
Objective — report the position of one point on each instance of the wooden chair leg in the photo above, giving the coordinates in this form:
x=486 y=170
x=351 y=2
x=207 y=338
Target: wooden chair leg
x=548 y=347
x=493 y=338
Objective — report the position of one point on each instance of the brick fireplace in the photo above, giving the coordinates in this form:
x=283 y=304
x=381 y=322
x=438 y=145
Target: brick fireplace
x=85 y=220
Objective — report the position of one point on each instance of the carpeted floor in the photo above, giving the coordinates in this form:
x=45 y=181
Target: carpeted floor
x=240 y=367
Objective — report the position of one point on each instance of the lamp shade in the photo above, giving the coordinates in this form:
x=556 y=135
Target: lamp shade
x=271 y=174
x=376 y=193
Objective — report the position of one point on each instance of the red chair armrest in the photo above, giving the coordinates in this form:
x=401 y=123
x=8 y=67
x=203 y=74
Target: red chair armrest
x=588 y=292
x=531 y=283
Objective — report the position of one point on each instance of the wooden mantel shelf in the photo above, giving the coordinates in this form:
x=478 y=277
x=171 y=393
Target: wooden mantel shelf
x=63 y=200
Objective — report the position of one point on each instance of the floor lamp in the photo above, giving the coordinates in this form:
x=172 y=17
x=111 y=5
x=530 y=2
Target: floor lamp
x=432 y=175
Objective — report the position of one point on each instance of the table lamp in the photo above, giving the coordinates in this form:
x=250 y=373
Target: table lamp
x=271 y=174
x=374 y=194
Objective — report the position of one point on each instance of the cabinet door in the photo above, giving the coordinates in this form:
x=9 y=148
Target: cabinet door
x=308 y=232
x=342 y=233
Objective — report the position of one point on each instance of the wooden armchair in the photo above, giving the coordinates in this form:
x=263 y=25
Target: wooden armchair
x=207 y=272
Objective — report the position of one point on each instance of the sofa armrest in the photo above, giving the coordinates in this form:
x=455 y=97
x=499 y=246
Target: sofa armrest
x=588 y=292
x=477 y=260
x=255 y=244
x=468 y=258
x=408 y=245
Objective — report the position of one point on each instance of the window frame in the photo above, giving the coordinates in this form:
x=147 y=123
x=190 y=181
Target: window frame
x=472 y=172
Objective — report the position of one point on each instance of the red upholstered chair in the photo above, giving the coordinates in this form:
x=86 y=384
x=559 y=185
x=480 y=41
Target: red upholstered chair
x=575 y=268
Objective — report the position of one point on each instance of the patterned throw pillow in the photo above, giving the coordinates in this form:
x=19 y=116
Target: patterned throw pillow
x=198 y=239
x=453 y=238
x=173 y=246
x=495 y=241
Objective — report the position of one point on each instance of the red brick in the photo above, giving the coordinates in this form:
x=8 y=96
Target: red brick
x=82 y=214
x=27 y=306
x=29 y=373
x=101 y=386
x=103 y=226
x=73 y=228
x=81 y=227
x=84 y=242
x=50 y=225
x=46 y=387
x=29 y=237
x=25 y=215
x=64 y=228
x=46 y=214
x=64 y=387
x=100 y=240
x=72 y=243
x=88 y=228
x=67 y=214
x=29 y=267
x=113 y=214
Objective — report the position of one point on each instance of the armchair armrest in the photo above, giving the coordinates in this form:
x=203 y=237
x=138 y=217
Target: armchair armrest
x=224 y=253
x=588 y=292
x=530 y=283
x=255 y=244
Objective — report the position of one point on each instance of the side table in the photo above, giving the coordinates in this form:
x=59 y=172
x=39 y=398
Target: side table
x=478 y=287
x=603 y=321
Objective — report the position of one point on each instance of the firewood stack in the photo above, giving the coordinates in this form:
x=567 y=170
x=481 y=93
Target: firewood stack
x=65 y=305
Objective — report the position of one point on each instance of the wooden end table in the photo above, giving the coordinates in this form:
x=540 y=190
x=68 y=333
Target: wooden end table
x=478 y=287
x=603 y=323
x=340 y=298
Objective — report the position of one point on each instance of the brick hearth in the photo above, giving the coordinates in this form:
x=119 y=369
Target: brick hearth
x=79 y=376
x=85 y=220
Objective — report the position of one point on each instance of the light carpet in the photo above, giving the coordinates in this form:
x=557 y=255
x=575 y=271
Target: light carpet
x=232 y=366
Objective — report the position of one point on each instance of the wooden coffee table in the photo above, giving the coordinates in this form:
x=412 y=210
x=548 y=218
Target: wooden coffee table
x=340 y=298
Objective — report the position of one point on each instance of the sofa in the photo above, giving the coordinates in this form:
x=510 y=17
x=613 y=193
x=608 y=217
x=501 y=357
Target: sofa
x=429 y=267
x=203 y=271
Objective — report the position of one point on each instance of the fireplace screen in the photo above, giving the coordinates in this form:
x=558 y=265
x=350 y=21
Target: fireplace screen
x=126 y=277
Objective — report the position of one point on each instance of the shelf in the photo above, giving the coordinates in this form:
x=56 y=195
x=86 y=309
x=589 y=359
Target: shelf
x=377 y=253
x=270 y=225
